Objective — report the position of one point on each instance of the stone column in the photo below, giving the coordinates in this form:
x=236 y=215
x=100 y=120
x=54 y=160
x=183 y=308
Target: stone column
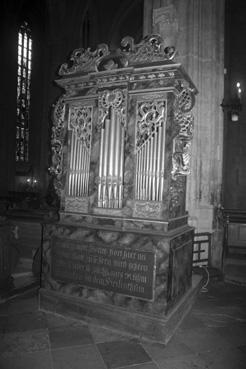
x=196 y=29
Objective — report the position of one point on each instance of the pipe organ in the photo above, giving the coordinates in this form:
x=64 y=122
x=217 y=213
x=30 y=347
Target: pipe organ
x=121 y=149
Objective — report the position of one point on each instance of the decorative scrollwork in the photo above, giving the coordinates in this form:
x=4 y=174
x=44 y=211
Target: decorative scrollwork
x=115 y=99
x=182 y=142
x=57 y=141
x=150 y=49
x=181 y=157
x=186 y=100
x=84 y=60
x=150 y=115
x=81 y=122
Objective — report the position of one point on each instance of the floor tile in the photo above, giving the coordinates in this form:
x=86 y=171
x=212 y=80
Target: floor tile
x=234 y=334
x=79 y=357
x=56 y=320
x=202 y=340
x=174 y=348
x=121 y=353
x=101 y=334
x=3 y=323
x=4 y=308
x=23 y=304
x=20 y=342
x=141 y=366
x=39 y=360
x=69 y=336
x=183 y=362
x=192 y=321
x=242 y=349
x=225 y=359
x=26 y=321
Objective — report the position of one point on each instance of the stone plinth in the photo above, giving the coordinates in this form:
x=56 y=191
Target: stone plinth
x=109 y=265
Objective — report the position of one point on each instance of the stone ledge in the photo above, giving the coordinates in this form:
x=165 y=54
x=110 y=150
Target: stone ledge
x=144 y=326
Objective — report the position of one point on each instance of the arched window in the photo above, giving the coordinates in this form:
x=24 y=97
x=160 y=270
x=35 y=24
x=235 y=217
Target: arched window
x=23 y=92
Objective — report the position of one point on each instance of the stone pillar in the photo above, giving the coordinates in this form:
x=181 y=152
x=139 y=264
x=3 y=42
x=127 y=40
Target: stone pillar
x=196 y=29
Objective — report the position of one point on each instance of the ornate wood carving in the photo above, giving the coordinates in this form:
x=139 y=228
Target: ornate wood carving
x=182 y=142
x=57 y=142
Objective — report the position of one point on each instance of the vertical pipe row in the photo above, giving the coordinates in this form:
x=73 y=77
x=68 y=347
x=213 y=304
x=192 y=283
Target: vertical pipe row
x=121 y=159
x=78 y=180
x=110 y=188
x=101 y=167
x=150 y=164
x=162 y=165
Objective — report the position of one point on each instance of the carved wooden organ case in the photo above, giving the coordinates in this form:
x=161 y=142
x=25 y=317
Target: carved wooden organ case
x=121 y=139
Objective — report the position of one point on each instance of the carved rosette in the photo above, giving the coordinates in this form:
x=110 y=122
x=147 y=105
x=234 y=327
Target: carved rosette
x=115 y=99
x=182 y=141
x=57 y=142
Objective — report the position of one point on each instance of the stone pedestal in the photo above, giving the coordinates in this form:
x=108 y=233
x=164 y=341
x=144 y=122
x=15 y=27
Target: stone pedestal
x=121 y=253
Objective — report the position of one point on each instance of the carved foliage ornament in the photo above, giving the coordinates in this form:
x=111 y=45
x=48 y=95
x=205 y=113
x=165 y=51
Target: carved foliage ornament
x=182 y=142
x=115 y=99
x=150 y=49
x=81 y=122
x=150 y=115
x=57 y=141
x=84 y=60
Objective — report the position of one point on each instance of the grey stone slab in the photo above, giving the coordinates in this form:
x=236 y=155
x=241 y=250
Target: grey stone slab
x=24 y=321
x=38 y=360
x=69 y=336
x=141 y=366
x=182 y=362
x=56 y=320
x=225 y=359
x=202 y=339
x=3 y=323
x=234 y=334
x=4 y=306
x=78 y=357
x=101 y=334
x=174 y=348
x=121 y=353
x=23 y=304
x=13 y=344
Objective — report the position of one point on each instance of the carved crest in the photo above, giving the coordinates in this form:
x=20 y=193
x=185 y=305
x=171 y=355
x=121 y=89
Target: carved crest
x=150 y=49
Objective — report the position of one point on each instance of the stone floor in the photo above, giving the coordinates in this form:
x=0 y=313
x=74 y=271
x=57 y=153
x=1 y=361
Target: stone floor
x=212 y=336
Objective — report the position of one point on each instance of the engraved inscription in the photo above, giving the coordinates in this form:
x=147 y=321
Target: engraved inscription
x=125 y=271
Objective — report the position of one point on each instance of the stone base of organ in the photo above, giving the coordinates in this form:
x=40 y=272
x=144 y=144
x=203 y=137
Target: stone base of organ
x=121 y=144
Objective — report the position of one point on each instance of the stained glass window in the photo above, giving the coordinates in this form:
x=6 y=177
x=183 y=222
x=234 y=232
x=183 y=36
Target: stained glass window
x=23 y=92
